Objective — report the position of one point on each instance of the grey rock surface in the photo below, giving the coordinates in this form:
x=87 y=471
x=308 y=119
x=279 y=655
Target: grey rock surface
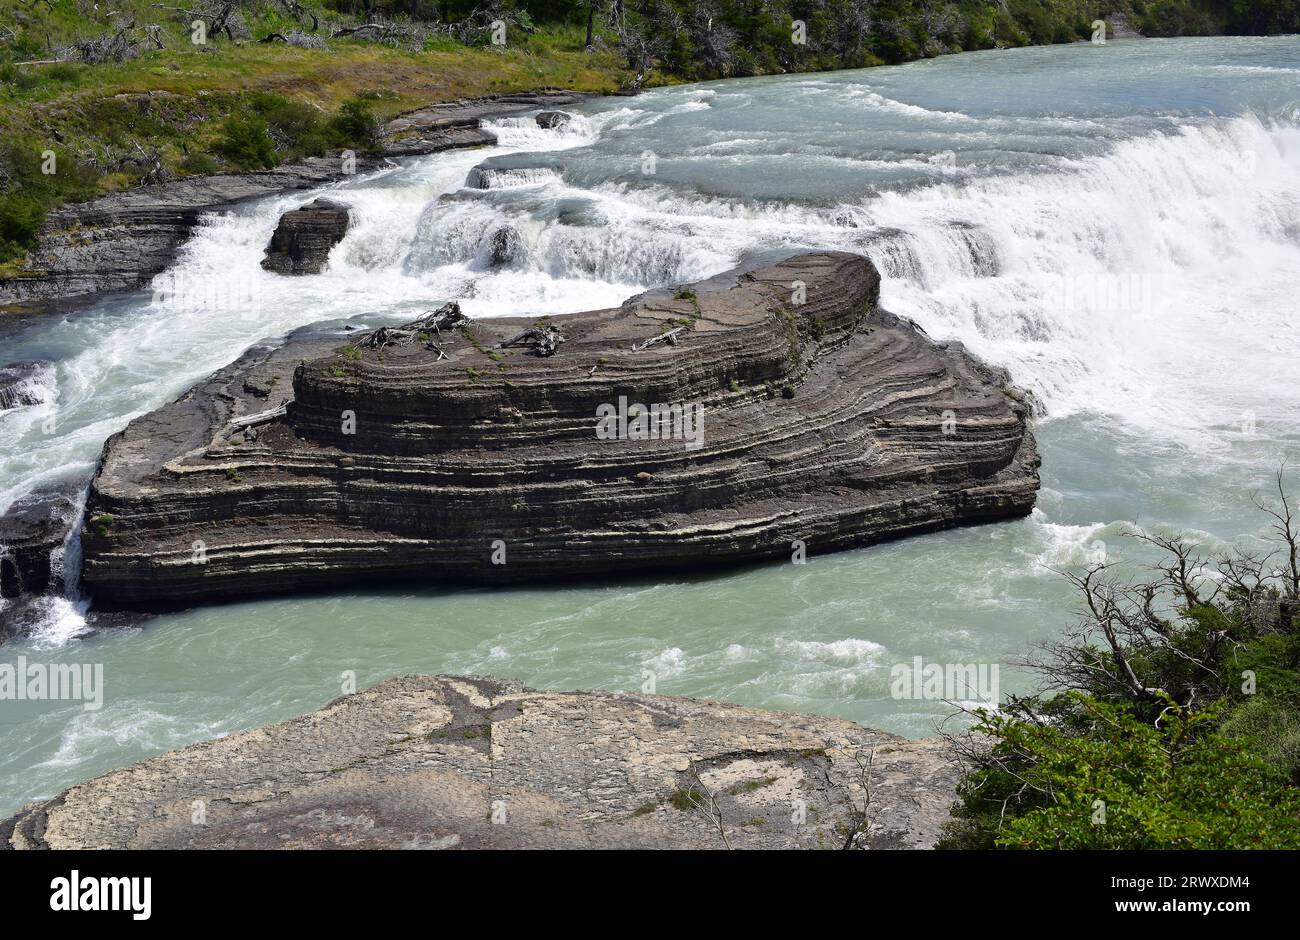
x=24 y=384
x=430 y=762
x=304 y=237
x=34 y=527
x=553 y=119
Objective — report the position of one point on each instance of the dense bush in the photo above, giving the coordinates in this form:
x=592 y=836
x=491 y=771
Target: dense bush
x=1175 y=721
x=27 y=192
x=277 y=130
x=355 y=126
x=246 y=142
x=710 y=38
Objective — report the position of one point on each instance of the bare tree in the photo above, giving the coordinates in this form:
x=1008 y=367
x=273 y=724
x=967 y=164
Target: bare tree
x=1286 y=531
x=704 y=802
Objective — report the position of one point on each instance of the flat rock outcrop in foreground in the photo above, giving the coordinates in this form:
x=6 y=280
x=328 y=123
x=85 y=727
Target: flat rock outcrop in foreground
x=800 y=427
x=445 y=762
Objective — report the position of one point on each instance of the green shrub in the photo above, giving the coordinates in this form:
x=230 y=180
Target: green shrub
x=20 y=217
x=199 y=163
x=32 y=192
x=1175 y=721
x=355 y=127
x=1127 y=785
x=1270 y=729
x=296 y=126
x=62 y=72
x=246 y=142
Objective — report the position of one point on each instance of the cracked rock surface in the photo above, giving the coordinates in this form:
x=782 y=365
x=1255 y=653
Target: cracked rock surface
x=428 y=762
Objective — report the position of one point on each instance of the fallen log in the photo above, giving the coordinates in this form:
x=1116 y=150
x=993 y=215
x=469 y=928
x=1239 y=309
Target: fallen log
x=670 y=338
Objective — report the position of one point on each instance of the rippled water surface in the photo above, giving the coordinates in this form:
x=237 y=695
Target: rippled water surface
x=1118 y=225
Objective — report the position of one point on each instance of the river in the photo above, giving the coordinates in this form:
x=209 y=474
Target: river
x=1118 y=225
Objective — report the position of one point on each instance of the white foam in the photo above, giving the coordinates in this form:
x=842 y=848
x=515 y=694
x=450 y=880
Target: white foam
x=666 y=663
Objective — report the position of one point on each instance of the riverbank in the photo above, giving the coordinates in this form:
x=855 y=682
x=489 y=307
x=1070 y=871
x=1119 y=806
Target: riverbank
x=429 y=762
x=122 y=240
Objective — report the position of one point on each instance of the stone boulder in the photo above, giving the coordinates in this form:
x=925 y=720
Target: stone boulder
x=553 y=119
x=30 y=532
x=304 y=238
x=24 y=384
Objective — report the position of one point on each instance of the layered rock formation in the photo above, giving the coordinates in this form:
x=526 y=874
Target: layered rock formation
x=303 y=238
x=806 y=419
x=455 y=762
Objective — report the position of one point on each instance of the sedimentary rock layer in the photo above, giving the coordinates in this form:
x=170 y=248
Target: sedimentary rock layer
x=456 y=762
x=826 y=423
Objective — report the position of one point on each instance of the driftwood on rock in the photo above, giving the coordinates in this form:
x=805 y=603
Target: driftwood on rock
x=544 y=341
x=446 y=317
x=262 y=417
x=669 y=337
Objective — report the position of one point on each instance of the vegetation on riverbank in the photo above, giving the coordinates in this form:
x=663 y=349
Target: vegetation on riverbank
x=172 y=108
x=712 y=38
x=1170 y=717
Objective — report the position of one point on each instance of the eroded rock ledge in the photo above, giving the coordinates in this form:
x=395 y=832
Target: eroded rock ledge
x=829 y=422
x=458 y=762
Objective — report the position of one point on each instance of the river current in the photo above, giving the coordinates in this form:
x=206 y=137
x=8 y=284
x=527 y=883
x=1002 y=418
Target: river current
x=1117 y=225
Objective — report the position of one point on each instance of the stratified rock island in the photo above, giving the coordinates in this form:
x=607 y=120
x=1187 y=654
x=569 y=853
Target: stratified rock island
x=827 y=423
x=445 y=762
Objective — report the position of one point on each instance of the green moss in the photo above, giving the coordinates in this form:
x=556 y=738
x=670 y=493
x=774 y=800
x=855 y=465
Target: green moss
x=686 y=799
x=749 y=786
